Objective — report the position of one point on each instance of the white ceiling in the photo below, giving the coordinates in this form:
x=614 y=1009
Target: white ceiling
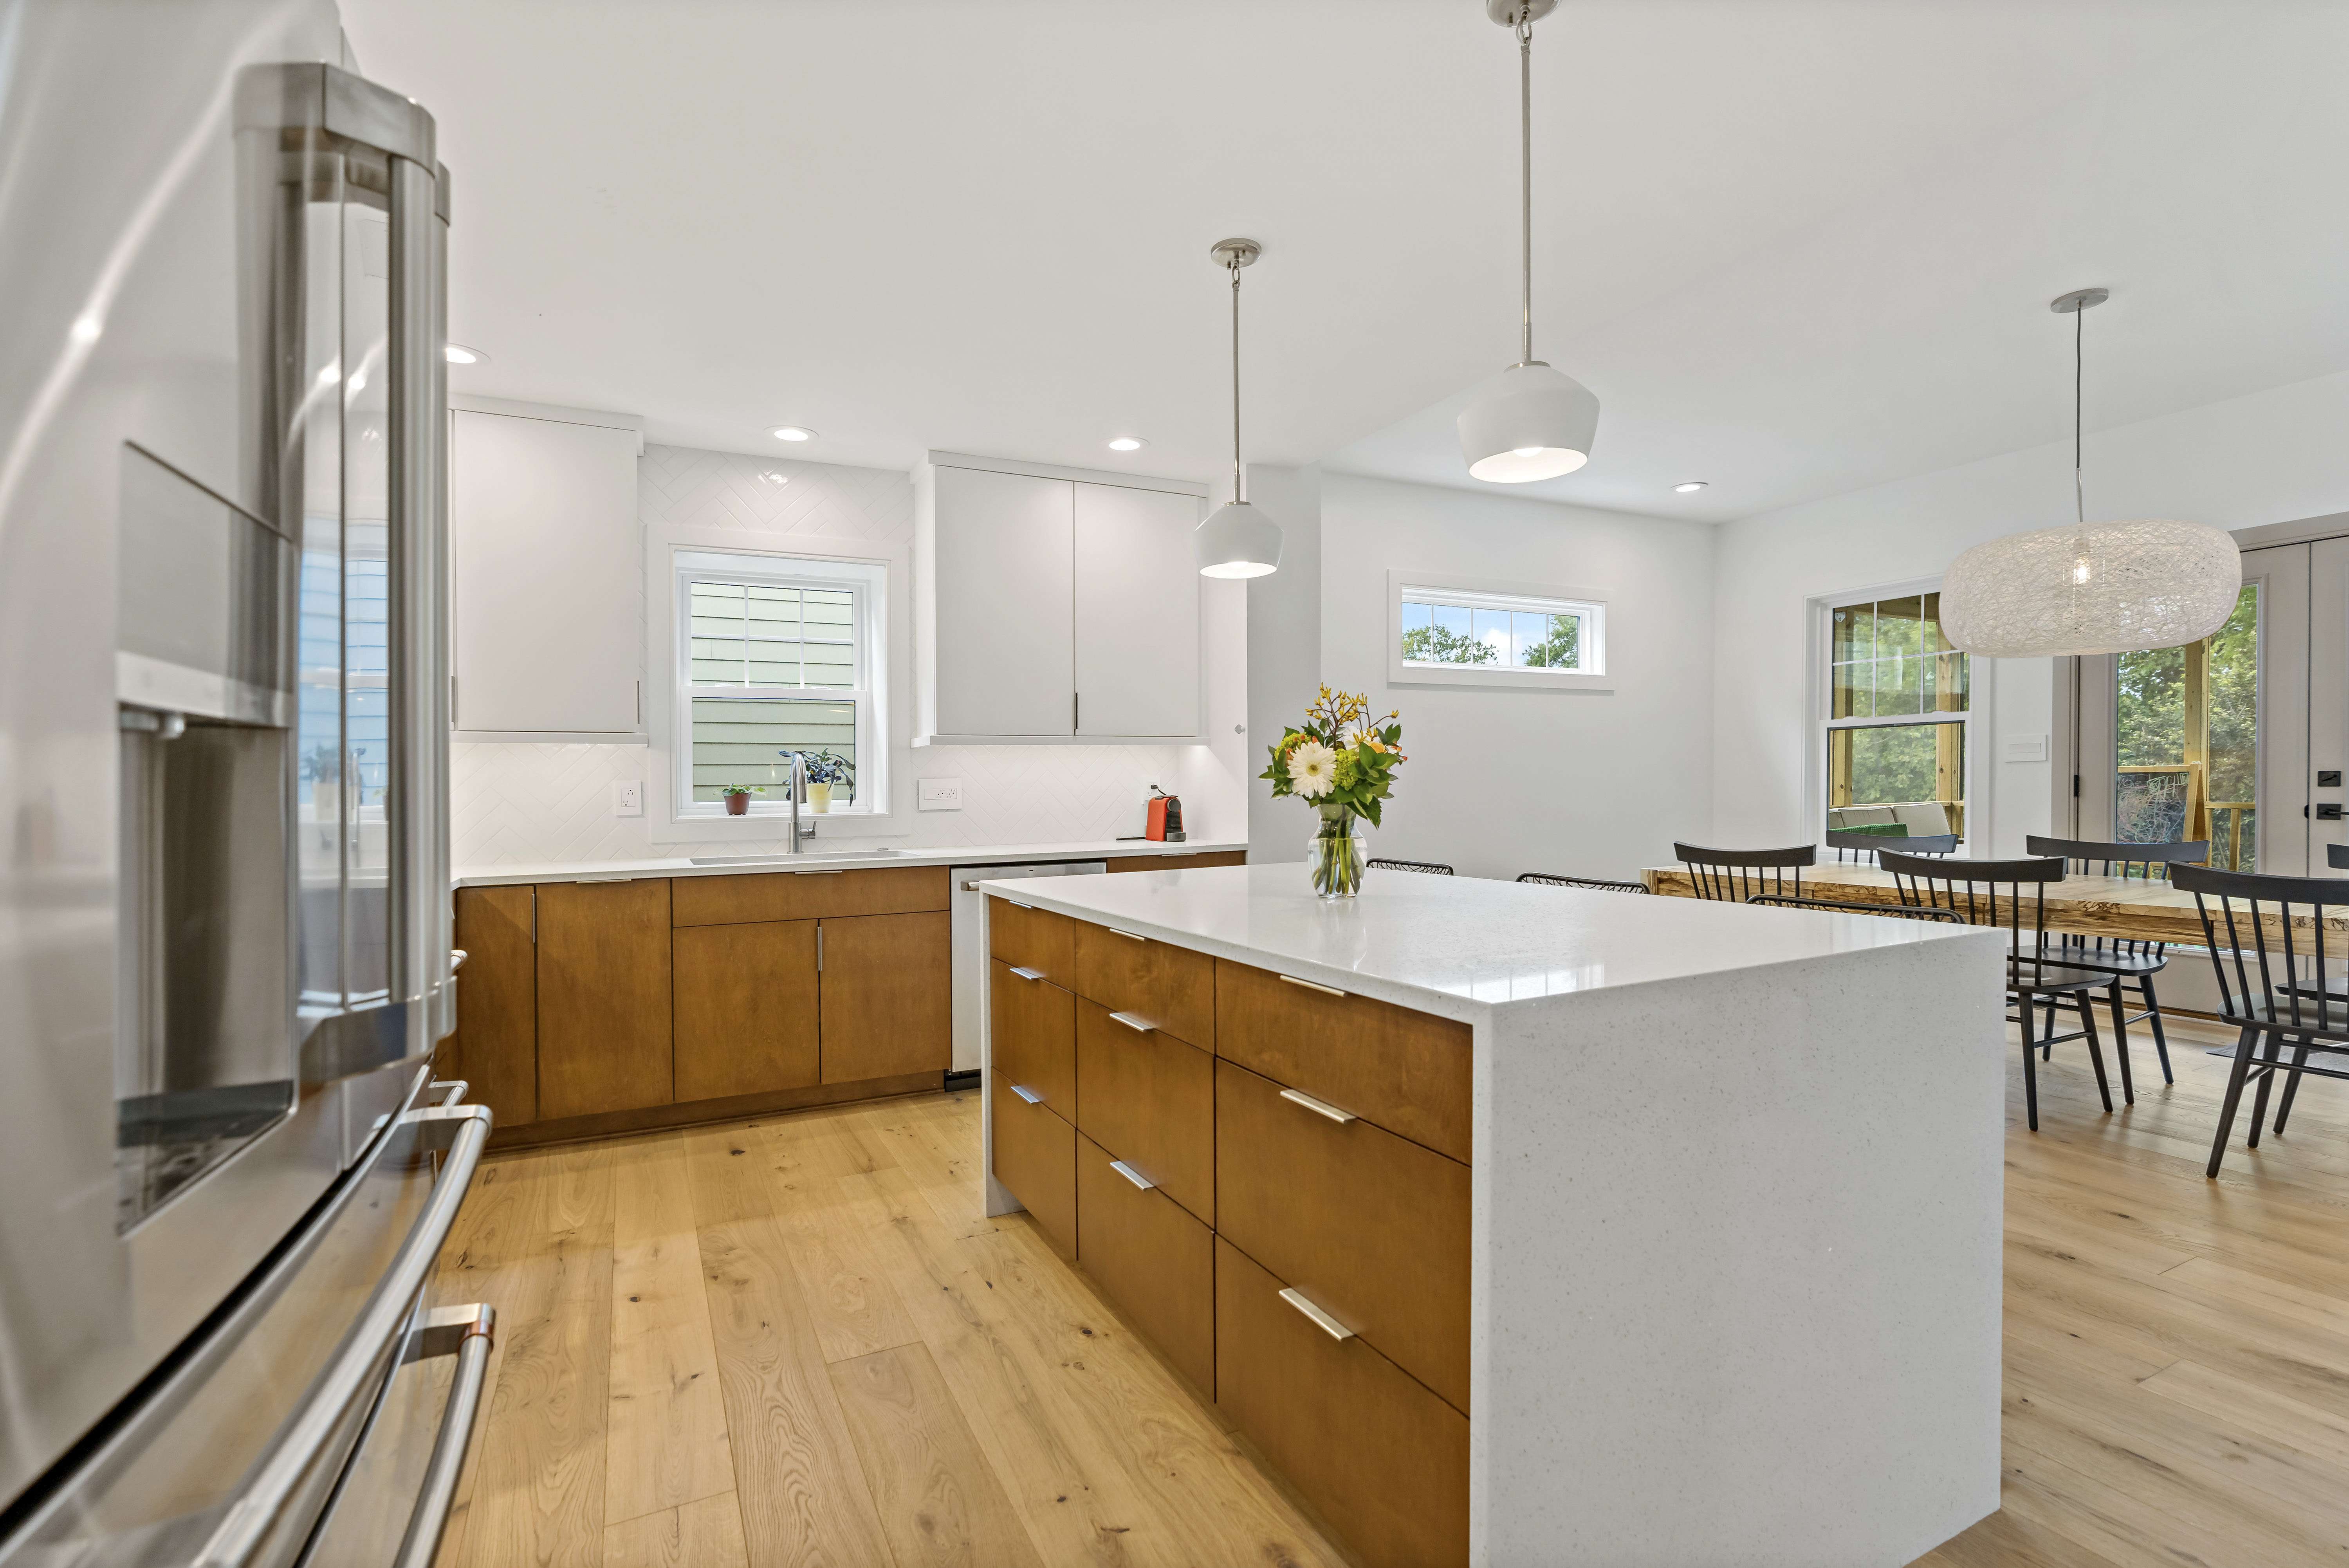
x=1796 y=247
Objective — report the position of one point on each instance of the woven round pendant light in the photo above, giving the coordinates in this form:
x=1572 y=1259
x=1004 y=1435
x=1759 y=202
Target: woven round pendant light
x=2090 y=588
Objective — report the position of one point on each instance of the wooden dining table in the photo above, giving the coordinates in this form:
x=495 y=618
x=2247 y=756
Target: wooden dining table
x=2137 y=907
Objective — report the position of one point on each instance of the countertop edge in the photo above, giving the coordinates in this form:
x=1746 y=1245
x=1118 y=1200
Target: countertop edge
x=947 y=855
x=1403 y=994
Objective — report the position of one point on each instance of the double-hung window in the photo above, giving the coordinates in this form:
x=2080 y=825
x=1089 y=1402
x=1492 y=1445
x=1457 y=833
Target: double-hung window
x=1897 y=720
x=776 y=654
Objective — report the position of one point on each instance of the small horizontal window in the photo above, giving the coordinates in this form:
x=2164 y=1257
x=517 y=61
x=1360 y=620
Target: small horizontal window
x=1449 y=633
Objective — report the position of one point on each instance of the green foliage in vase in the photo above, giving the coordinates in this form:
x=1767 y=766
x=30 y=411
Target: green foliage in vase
x=1339 y=759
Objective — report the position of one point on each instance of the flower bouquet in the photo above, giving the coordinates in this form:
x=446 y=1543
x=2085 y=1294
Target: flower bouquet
x=1343 y=762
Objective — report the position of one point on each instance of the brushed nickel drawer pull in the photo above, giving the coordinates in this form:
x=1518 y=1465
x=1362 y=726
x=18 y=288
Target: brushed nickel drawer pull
x=1018 y=905
x=1130 y=1022
x=1128 y=936
x=1319 y=1107
x=1313 y=985
x=1028 y=973
x=1132 y=1175
x=798 y=873
x=1321 y=1320
x=970 y=887
x=1026 y=1094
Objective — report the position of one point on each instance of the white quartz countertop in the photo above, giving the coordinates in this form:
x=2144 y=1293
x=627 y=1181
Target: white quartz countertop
x=1461 y=946
x=824 y=858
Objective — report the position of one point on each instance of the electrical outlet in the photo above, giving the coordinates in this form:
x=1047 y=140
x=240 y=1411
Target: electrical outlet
x=628 y=797
x=940 y=795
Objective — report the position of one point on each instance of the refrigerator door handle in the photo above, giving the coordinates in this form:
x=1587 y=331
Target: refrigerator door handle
x=468 y=1333
x=352 y=1376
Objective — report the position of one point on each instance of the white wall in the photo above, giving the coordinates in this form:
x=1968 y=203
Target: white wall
x=518 y=804
x=2272 y=457
x=1500 y=782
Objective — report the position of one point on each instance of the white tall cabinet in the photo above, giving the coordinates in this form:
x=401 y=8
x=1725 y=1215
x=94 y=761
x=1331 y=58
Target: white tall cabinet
x=547 y=559
x=1054 y=606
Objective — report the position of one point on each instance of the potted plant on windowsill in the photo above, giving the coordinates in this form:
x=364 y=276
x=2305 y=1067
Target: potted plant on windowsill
x=1343 y=762
x=826 y=770
x=738 y=798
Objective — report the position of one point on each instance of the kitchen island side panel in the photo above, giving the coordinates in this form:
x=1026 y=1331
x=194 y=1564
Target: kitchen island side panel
x=1736 y=1265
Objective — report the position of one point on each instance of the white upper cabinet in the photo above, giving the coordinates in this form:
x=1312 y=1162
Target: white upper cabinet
x=1004 y=572
x=547 y=560
x=1137 y=613
x=1053 y=605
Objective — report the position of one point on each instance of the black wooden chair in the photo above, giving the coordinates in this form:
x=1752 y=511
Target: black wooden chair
x=2282 y=980
x=1734 y=876
x=1598 y=884
x=1430 y=867
x=1851 y=845
x=1846 y=907
x=2131 y=961
x=2337 y=856
x=1991 y=893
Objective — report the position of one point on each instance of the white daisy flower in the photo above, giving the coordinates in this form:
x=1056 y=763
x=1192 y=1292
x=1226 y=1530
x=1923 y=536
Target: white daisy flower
x=1313 y=769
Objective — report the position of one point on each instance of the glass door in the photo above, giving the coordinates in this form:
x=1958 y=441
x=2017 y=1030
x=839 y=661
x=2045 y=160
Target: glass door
x=2208 y=741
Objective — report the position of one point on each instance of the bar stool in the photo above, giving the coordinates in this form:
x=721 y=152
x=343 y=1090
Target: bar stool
x=1598 y=884
x=1430 y=867
x=1990 y=893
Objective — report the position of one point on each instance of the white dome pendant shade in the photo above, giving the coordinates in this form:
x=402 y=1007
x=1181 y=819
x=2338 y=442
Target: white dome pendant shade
x=1237 y=540
x=2114 y=587
x=2106 y=588
x=1529 y=422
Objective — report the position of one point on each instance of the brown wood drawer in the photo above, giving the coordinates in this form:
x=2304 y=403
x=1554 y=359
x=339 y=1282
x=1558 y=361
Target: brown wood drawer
x=1172 y=988
x=1036 y=1157
x=1406 y=1071
x=1033 y=938
x=1152 y=1259
x=1371 y=1226
x=1032 y=1036
x=808 y=895
x=1150 y=1100
x=745 y=1008
x=1384 y=1460
x=1180 y=862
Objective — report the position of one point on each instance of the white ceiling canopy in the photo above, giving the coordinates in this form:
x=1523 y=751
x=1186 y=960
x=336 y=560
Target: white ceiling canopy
x=1795 y=247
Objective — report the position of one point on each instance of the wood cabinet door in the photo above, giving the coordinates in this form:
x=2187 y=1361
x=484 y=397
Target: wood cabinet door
x=496 y=1042
x=1136 y=598
x=603 y=997
x=887 y=996
x=546 y=558
x=1002 y=642
x=746 y=1009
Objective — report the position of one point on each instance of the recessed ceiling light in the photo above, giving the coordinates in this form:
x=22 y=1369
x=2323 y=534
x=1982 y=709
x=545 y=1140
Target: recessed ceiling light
x=1689 y=487
x=458 y=354
x=794 y=433
x=1127 y=443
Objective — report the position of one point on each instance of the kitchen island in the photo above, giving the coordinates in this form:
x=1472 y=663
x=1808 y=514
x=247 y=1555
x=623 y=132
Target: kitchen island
x=1528 y=1225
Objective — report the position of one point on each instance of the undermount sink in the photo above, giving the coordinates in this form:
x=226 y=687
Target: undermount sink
x=790 y=859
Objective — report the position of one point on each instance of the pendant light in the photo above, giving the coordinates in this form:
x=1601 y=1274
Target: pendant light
x=2109 y=587
x=1528 y=423
x=1237 y=540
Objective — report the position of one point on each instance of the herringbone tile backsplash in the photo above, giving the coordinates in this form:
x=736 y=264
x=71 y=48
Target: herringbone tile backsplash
x=524 y=804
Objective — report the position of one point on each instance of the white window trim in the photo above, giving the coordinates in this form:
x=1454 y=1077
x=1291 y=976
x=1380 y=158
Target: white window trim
x=878 y=741
x=1981 y=675
x=1400 y=672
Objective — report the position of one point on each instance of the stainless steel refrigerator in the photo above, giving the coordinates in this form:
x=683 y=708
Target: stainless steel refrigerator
x=225 y=933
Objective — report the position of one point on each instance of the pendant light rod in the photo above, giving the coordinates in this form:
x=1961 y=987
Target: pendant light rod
x=1235 y=254
x=2074 y=305
x=1525 y=172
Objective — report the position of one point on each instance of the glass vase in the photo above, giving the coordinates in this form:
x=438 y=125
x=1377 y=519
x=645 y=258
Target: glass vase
x=1338 y=854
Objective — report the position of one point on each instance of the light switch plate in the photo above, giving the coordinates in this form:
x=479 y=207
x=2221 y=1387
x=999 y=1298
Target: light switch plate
x=940 y=795
x=628 y=797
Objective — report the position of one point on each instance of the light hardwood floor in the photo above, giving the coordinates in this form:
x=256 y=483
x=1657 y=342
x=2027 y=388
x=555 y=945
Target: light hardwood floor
x=795 y=1340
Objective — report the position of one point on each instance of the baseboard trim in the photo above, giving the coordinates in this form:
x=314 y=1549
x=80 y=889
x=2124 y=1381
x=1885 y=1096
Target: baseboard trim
x=652 y=1119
